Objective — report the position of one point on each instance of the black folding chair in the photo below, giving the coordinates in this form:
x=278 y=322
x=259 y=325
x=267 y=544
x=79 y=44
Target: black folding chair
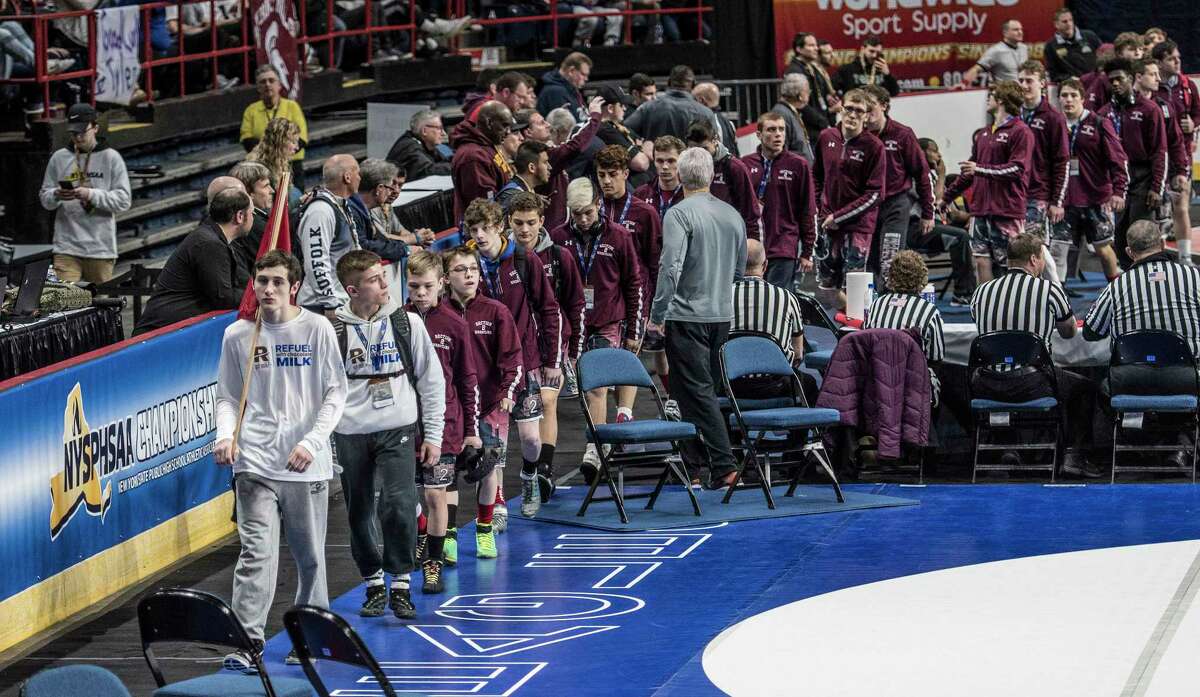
x=1010 y=354
x=813 y=315
x=1154 y=384
x=610 y=367
x=317 y=633
x=189 y=616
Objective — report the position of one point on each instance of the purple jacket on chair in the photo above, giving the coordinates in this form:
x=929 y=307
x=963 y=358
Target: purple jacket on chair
x=879 y=381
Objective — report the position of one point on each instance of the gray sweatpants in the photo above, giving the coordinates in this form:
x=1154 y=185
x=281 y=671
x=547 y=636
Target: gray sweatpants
x=262 y=504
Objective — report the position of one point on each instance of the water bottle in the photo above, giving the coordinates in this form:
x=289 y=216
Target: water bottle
x=928 y=294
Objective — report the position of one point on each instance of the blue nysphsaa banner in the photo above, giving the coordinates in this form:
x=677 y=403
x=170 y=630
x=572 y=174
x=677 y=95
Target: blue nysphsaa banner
x=100 y=452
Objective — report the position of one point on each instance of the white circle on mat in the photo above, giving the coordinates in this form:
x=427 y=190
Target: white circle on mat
x=1083 y=624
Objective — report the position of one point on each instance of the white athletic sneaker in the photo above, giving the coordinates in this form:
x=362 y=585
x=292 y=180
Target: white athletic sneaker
x=671 y=410
x=590 y=466
x=499 y=518
x=531 y=497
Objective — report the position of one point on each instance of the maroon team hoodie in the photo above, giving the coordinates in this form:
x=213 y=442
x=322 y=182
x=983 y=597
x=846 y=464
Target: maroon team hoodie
x=850 y=177
x=1140 y=125
x=1102 y=168
x=906 y=164
x=497 y=350
x=789 y=203
x=609 y=265
x=541 y=334
x=455 y=348
x=1001 y=160
x=643 y=223
x=731 y=183
x=478 y=170
x=563 y=272
x=1048 y=167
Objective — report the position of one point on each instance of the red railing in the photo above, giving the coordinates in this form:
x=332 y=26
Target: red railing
x=41 y=23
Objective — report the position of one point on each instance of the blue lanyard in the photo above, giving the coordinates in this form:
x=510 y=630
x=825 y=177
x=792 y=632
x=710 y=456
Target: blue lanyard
x=376 y=356
x=491 y=276
x=1116 y=118
x=624 y=213
x=664 y=204
x=766 y=178
x=1027 y=115
x=1075 y=130
x=586 y=268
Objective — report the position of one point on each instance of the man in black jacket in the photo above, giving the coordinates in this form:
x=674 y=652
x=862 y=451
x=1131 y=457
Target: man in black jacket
x=1071 y=52
x=868 y=69
x=202 y=275
x=416 y=152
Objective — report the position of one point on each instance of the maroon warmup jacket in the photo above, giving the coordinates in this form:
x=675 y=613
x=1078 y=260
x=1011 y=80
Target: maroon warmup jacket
x=455 y=348
x=850 y=177
x=1179 y=148
x=613 y=273
x=497 y=350
x=662 y=201
x=478 y=170
x=1184 y=97
x=563 y=272
x=1048 y=168
x=1002 y=160
x=789 y=203
x=642 y=222
x=1099 y=90
x=541 y=333
x=1102 y=169
x=731 y=183
x=560 y=157
x=1143 y=133
x=905 y=165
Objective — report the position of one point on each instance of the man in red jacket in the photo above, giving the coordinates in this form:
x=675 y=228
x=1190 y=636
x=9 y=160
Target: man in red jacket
x=996 y=174
x=783 y=184
x=1047 y=183
x=850 y=175
x=905 y=166
x=479 y=169
x=612 y=291
x=1181 y=93
x=731 y=180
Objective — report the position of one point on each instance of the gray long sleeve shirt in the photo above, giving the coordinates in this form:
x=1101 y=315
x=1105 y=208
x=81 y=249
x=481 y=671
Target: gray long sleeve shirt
x=703 y=252
x=88 y=232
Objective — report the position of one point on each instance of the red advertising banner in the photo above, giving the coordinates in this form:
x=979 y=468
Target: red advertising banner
x=275 y=29
x=927 y=43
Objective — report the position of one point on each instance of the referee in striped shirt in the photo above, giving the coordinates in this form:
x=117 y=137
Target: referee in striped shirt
x=904 y=308
x=1021 y=300
x=759 y=306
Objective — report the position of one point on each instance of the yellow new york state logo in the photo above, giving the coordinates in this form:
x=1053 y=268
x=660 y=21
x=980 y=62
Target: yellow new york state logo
x=79 y=481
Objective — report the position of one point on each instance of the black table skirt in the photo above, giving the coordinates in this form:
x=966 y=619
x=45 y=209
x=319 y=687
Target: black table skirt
x=434 y=212
x=28 y=347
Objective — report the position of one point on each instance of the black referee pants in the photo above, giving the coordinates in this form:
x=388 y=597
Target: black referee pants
x=693 y=351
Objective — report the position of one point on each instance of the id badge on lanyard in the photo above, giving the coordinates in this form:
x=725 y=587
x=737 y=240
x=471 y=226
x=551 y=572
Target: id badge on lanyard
x=380 y=390
x=589 y=298
x=1074 y=167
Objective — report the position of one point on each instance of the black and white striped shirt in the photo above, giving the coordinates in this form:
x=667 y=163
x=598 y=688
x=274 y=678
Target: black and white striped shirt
x=1155 y=293
x=1019 y=302
x=900 y=311
x=759 y=306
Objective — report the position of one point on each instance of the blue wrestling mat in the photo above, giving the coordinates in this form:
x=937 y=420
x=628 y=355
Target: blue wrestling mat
x=566 y=612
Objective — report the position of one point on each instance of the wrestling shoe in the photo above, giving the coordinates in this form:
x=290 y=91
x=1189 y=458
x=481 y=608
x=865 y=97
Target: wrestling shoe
x=401 y=604
x=485 y=542
x=531 y=496
x=375 y=603
x=432 y=569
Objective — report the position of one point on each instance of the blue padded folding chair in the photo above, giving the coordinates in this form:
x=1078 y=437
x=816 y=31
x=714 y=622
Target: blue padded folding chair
x=318 y=634
x=1159 y=357
x=1028 y=351
x=813 y=315
x=183 y=615
x=756 y=421
x=609 y=367
x=70 y=681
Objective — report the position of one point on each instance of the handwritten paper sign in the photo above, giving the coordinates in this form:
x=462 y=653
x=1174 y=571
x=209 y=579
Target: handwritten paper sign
x=117 y=65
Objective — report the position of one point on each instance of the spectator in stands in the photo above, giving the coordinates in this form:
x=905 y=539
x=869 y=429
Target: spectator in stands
x=869 y=68
x=377 y=188
x=671 y=112
x=478 y=169
x=709 y=95
x=794 y=95
x=512 y=141
x=1143 y=132
x=731 y=178
x=282 y=461
x=704 y=250
x=276 y=150
x=1001 y=60
x=561 y=123
x=1128 y=45
x=947 y=236
x=561 y=87
x=327 y=231
x=1097 y=181
x=996 y=175
x=513 y=89
x=196 y=21
x=1181 y=95
x=902 y=307
x=86 y=186
x=683 y=26
x=823 y=104
x=273 y=105
x=827 y=56
x=203 y=274
x=762 y=306
x=849 y=170
x=416 y=152
x=642 y=88
x=906 y=173
x=783 y=184
x=1153 y=37
x=614 y=132
x=1071 y=52
x=1046 y=184
x=1023 y=300
x=531 y=169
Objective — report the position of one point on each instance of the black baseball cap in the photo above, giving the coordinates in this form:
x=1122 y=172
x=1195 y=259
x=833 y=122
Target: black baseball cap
x=80 y=116
x=615 y=95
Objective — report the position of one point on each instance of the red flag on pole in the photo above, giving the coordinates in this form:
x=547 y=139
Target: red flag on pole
x=276 y=236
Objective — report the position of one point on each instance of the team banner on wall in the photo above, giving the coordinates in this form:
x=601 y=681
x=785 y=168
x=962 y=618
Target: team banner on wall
x=927 y=43
x=98 y=453
x=275 y=30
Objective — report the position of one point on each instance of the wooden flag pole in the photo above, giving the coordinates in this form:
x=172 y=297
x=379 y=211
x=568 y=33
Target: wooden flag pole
x=281 y=198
